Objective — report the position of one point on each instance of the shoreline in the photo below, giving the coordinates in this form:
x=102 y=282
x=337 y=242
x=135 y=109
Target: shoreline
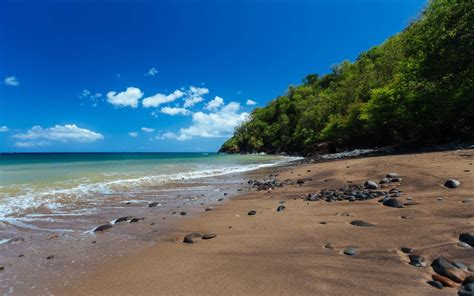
x=299 y=250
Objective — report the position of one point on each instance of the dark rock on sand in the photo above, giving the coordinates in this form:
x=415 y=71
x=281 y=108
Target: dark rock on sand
x=417 y=260
x=189 y=238
x=452 y=184
x=153 y=204
x=351 y=251
x=393 y=202
x=121 y=219
x=102 y=228
x=208 y=209
x=361 y=223
x=183 y=213
x=370 y=185
x=220 y=199
x=447 y=269
x=50 y=257
x=467 y=238
x=436 y=284
x=468 y=280
x=209 y=236
x=392 y=175
x=135 y=220
x=251 y=213
x=407 y=250
x=459 y=265
x=280 y=208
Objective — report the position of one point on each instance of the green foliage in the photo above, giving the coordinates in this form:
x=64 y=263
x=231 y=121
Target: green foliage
x=417 y=87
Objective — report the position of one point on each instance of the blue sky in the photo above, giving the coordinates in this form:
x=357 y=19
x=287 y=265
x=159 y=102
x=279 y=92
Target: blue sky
x=167 y=75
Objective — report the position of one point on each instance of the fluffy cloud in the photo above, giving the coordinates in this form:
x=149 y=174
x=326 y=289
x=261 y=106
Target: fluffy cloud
x=214 y=104
x=212 y=125
x=250 y=102
x=133 y=134
x=4 y=129
x=175 y=111
x=129 y=97
x=12 y=81
x=151 y=72
x=38 y=136
x=158 y=99
x=147 y=129
x=194 y=96
x=172 y=136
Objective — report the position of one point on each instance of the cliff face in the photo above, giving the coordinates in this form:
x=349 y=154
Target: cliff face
x=416 y=88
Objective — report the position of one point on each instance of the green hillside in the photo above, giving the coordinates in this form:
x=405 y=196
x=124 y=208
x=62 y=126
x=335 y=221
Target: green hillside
x=417 y=88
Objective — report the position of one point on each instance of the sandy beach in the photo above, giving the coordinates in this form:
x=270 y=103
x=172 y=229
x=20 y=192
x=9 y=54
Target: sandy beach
x=299 y=251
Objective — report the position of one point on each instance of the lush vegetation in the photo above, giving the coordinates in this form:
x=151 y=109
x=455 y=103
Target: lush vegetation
x=416 y=88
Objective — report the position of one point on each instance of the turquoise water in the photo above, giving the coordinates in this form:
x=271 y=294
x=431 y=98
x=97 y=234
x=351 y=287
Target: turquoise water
x=56 y=182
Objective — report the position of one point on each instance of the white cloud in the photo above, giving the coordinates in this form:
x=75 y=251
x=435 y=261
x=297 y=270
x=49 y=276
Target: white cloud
x=212 y=125
x=147 y=129
x=85 y=93
x=214 y=104
x=133 y=134
x=195 y=95
x=4 y=129
x=172 y=136
x=151 y=72
x=12 y=81
x=175 y=111
x=129 y=97
x=38 y=136
x=250 y=102
x=158 y=99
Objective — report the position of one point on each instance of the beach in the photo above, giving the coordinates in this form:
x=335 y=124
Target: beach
x=299 y=250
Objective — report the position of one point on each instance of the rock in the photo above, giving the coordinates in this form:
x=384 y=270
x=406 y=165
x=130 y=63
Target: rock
x=370 y=185
x=468 y=280
x=445 y=268
x=351 y=251
x=385 y=181
x=300 y=181
x=395 y=180
x=189 y=238
x=2 y=268
x=407 y=250
x=410 y=203
x=135 y=220
x=220 y=199
x=50 y=257
x=280 y=208
x=459 y=265
x=467 y=238
x=361 y=223
x=209 y=236
x=121 y=219
x=323 y=222
x=465 y=292
x=444 y=280
x=392 y=175
x=452 y=184
x=471 y=268
x=417 y=260
x=153 y=204
x=393 y=202
x=102 y=228
x=251 y=213
x=183 y=213
x=208 y=209
x=436 y=284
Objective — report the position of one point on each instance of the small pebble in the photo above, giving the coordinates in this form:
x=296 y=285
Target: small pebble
x=209 y=236
x=251 y=213
x=407 y=250
x=50 y=257
x=459 y=265
x=280 y=208
x=351 y=251
x=436 y=284
x=452 y=184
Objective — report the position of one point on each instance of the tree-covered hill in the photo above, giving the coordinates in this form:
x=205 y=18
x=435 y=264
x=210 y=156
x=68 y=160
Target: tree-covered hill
x=416 y=88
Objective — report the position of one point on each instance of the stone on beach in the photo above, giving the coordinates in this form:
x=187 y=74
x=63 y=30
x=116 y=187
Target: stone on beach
x=189 y=238
x=153 y=204
x=361 y=223
x=447 y=269
x=393 y=202
x=351 y=251
x=407 y=250
x=436 y=284
x=417 y=260
x=467 y=238
x=121 y=219
x=251 y=213
x=444 y=280
x=102 y=228
x=452 y=184
x=370 y=185
x=209 y=236
x=280 y=208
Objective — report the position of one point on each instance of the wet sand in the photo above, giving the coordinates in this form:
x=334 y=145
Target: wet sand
x=292 y=253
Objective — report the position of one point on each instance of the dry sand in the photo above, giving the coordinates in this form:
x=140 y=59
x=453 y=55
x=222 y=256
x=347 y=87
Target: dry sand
x=284 y=253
